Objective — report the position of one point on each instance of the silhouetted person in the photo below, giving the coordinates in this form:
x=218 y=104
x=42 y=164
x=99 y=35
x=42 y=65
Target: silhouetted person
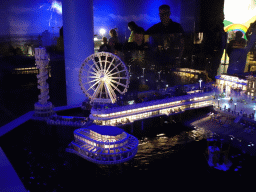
x=113 y=41
x=132 y=26
x=166 y=26
x=237 y=43
x=214 y=42
x=167 y=36
x=105 y=47
x=138 y=41
x=237 y=57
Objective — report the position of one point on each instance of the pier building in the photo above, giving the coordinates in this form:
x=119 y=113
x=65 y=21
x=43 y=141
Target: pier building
x=245 y=82
x=130 y=113
x=104 y=144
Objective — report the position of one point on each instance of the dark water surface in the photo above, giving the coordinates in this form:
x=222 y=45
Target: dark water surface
x=168 y=154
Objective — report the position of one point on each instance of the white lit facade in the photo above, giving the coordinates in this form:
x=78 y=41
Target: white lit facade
x=227 y=82
x=187 y=74
x=130 y=113
x=104 y=144
x=251 y=87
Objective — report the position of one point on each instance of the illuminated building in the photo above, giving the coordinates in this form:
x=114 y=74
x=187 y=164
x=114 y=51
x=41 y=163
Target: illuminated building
x=228 y=82
x=29 y=70
x=104 y=144
x=188 y=75
x=244 y=83
x=25 y=70
x=251 y=88
x=251 y=61
x=130 y=113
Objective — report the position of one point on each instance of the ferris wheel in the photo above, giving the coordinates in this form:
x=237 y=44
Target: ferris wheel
x=102 y=76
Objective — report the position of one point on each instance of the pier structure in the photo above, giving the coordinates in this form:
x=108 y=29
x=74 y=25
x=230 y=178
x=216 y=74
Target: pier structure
x=169 y=106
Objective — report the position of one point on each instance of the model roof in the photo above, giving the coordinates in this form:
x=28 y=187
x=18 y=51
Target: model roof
x=106 y=130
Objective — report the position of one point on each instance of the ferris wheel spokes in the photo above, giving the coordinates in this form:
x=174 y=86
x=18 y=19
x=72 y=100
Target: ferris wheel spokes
x=102 y=76
x=95 y=70
x=97 y=90
x=96 y=65
x=94 y=85
x=92 y=81
x=111 y=93
x=110 y=64
x=108 y=72
x=94 y=73
x=119 y=78
x=117 y=72
x=118 y=83
x=116 y=88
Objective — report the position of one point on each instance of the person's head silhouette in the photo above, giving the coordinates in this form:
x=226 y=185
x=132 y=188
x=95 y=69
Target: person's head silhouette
x=239 y=35
x=132 y=25
x=164 y=14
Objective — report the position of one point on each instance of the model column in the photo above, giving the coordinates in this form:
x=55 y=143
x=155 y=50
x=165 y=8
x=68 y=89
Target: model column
x=43 y=108
x=78 y=44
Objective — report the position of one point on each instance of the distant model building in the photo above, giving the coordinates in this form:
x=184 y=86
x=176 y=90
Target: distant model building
x=187 y=75
x=251 y=86
x=228 y=82
x=43 y=108
x=104 y=144
x=245 y=82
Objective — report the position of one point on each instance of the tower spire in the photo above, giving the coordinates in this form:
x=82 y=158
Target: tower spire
x=43 y=108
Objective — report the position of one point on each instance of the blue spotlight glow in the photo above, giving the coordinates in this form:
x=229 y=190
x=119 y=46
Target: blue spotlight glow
x=57 y=6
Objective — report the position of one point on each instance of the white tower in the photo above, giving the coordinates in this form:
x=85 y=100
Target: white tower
x=43 y=108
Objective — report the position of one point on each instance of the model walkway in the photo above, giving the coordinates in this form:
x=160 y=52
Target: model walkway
x=9 y=180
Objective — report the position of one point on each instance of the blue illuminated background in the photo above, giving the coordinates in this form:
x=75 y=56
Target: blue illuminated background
x=117 y=14
x=33 y=17
x=30 y=17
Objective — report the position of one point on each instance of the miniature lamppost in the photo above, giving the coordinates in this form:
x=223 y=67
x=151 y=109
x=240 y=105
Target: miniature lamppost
x=200 y=83
x=159 y=75
x=143 y=71
x=235 y=106
x=218 y=103
x=129 y=68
